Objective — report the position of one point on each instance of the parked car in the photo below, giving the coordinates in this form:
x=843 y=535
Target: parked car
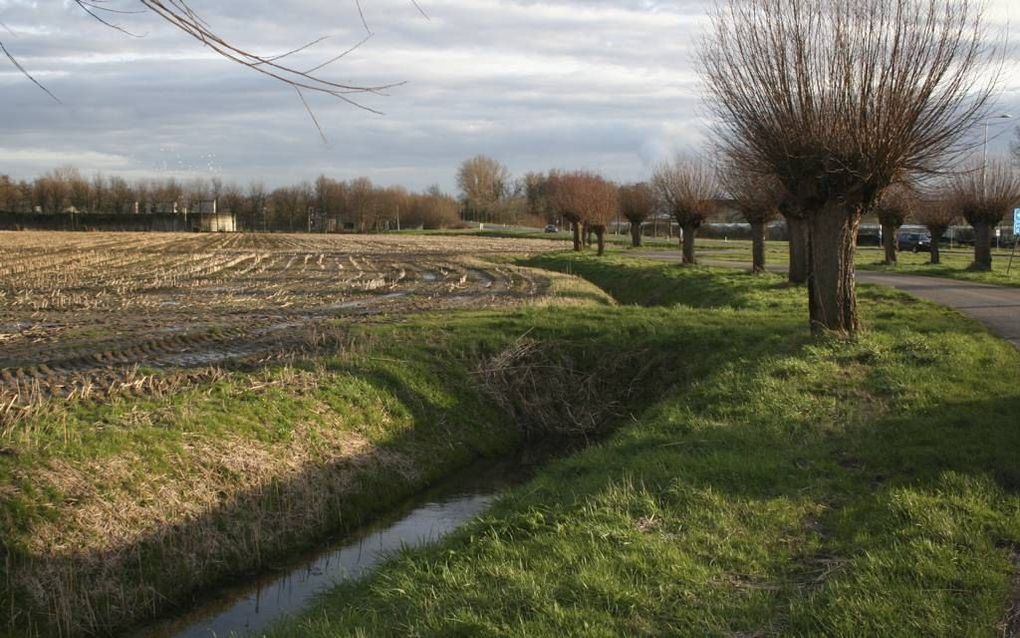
x=869 y=236
x=551 y=228
x=914 y=242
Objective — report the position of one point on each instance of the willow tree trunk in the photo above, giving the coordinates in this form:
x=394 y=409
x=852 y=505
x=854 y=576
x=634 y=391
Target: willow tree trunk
x=889 y=243
x=936 y=239
x=587 y=235
x=690 y=230
x=832 y=291
x=800 y=256
x=635 y=234
x=982 y=247
x=600 y=238
x=757 y=247
x=577 y=236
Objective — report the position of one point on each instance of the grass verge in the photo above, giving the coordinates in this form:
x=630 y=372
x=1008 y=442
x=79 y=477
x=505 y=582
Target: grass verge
x=118 y=510
x=784 y=486
x=954 y=261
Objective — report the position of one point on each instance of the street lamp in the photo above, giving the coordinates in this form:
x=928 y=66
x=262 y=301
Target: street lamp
x=984 y=149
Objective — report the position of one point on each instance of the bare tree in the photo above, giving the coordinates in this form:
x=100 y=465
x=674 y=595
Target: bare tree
x=602 y=199
x=839 y=99
x=483 y=184
x=537 y=193
x=434 y=209
x=637 y=203
x=895 y=206
x=256 y=206
x=758 y=198
x=587 y=201
x=983 y=196
x=689 y=190
x=937 y=214
x=564 y=191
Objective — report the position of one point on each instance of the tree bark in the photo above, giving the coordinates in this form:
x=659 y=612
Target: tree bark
x=982 y=247
x=889 y=243
x=635 y=234
x=690 y=230
x=936 y=239
x=577 y=236
x=757 y=247
x=600 y=237
x=799 y=256
x=832 y=291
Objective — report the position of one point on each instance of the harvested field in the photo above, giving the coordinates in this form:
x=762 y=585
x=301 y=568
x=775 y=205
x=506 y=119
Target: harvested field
x=87 y=314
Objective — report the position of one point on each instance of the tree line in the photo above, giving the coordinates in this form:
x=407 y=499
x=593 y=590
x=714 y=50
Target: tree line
x=324 y=205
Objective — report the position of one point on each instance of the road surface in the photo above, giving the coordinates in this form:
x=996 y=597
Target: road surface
x=997 y=307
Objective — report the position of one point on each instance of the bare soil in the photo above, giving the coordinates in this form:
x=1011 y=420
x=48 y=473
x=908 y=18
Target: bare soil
x=82 y=314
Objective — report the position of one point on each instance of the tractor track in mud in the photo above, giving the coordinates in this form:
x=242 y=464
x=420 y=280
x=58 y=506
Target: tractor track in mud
x=84 y=314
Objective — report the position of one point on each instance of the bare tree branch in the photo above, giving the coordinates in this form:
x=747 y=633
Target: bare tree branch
x=179 y=14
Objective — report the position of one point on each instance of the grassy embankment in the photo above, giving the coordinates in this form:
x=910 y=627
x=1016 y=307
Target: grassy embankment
x=116 y=510
x=785 y=486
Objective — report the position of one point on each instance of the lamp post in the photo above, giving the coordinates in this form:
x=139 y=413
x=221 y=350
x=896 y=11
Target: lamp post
x=984 y=150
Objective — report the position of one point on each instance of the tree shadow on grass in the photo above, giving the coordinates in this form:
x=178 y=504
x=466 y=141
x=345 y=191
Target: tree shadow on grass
x=450 y=420
x=649 y=284
x=699 y=444
x=737 y=505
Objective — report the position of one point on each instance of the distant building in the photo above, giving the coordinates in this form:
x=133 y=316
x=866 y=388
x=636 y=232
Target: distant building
x=214 y=222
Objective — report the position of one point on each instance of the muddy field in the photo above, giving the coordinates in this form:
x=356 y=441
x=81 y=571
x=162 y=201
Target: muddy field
x=88 y=314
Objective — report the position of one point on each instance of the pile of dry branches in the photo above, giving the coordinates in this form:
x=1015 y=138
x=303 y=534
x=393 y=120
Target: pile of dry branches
x=547 y=393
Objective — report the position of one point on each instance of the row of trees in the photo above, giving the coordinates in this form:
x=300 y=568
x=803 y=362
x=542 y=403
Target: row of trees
x=840 y=100
x=323 y=205
x=982 y=196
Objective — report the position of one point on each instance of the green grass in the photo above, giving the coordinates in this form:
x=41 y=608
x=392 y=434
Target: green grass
x=954 y=266
x=781 y=485
x=954 y=261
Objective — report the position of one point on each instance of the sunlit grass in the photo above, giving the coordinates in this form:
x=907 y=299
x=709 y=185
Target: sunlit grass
x=782 y=485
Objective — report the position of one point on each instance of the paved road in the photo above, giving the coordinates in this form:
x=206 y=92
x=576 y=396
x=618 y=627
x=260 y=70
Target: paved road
x=998 y=307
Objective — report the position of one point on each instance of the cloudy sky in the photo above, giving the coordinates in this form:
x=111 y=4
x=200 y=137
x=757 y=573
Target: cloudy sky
x=598 y=84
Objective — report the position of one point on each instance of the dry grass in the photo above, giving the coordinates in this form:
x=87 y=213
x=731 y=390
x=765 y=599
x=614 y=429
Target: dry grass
x=215 y=505
x=550 y=394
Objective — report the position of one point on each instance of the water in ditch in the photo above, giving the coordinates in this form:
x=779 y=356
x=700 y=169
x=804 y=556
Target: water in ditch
x=250 y=608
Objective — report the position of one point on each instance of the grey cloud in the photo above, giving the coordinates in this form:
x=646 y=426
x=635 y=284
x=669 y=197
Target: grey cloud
x=600 y=84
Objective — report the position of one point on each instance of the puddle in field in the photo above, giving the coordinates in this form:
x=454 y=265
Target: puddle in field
x=250 y=608
x=202 y=357
x=358 y=303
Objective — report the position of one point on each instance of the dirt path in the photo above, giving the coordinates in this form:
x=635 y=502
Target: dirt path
x=997 y=307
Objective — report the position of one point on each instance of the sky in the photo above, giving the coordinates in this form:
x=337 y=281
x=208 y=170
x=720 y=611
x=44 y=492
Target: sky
x=602 y=85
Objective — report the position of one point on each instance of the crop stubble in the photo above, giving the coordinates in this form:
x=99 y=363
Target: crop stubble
x=84 y=314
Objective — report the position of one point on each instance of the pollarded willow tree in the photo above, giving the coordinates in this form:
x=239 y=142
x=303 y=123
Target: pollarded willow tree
x=936 y=213
x=689 y=190
x=637 y=204
x=983 y=196
x=586 y=200
x=565 y=197
x=758 y=198
x=839 y=98
x=603 y=203
x=895 y=206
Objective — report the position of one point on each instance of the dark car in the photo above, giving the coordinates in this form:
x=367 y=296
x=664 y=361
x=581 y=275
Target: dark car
x=551 y=228
x=914 y=242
